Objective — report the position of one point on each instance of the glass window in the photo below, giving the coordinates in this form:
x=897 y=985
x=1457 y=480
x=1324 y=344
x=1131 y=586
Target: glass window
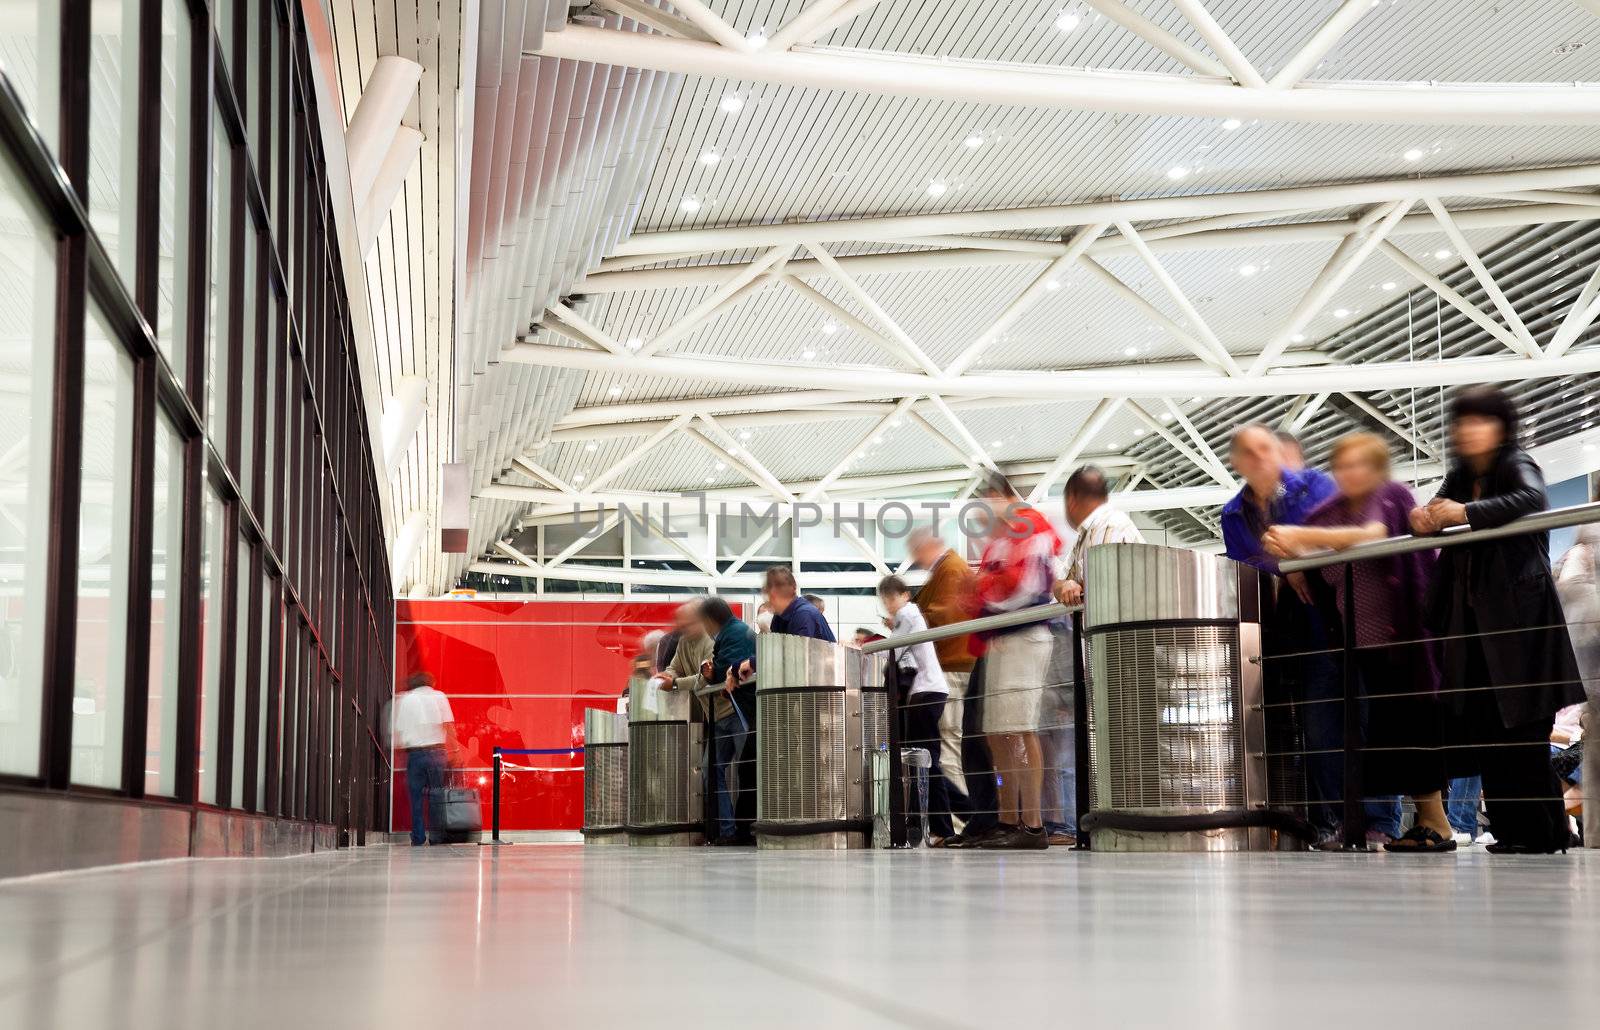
x=249 y=305
x=114 y=127
x=30 y=54
x=222 y=12
x=211 y=557
x=27 y=368
x=267 y=503
x=271 y=656
x=258 y=69
x=104 y=514
x=173 y=189
x=243 y=580
x=166 y=551
x=217 y=337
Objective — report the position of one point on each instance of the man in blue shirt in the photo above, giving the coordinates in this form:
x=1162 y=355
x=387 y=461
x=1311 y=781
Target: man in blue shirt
x=792 y=612
x=1276 y=495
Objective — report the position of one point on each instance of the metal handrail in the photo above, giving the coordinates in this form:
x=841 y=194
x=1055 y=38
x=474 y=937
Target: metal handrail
x=1555 y=518
x=1005 y=620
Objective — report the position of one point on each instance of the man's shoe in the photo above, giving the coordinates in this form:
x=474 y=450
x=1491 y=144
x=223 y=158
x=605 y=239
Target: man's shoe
x=975 y=838
x=1063 y=839
x=1019 y=838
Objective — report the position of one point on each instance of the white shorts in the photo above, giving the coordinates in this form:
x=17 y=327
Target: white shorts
x=1013 y=680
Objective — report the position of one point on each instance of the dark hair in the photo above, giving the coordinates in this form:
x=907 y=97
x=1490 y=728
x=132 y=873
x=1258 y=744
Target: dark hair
x=778 y=576
x=888 y=586
x=1248 y=427
x=994 y=482
x=1488 y=402
x=716 y=611
x=1284 y=436
x=815 y=599
x=420 y=679
x=1088 y=481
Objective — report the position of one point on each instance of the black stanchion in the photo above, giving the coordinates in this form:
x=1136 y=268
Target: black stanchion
x=897 y=803
x=494 y=813
x=1355 y=822
x=1080 y=731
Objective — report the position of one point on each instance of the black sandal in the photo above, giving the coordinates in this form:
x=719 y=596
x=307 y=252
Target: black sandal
x=1421 y=839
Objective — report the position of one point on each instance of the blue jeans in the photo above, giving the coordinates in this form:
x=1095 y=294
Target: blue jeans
x=1461 y=803
x=730 y=736
x=424 y=772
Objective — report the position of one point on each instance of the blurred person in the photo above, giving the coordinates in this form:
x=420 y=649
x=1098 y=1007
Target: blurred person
x=1294 y=456
x=423 y=725
x=945 y=598
x=1578 y=585
x=924 y=692
x=863 y=637
x=792 y=612
x=1016 y=572
x=816 y=601
x=732 y=643
x=1401 y=713
x=1508 y=660
x=764 y=618
x=1566 y=756
x=1095 y=521
x=716 y=709
x=1276 y=495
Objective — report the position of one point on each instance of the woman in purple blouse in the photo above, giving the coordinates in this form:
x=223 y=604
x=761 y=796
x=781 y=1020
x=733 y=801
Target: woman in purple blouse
x=1399 y=678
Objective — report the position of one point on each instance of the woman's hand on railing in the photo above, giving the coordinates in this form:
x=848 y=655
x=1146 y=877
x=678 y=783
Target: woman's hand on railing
x=1447 y=513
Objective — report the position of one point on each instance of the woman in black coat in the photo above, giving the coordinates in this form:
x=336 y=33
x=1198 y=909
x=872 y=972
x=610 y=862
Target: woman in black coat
x=1508 y=663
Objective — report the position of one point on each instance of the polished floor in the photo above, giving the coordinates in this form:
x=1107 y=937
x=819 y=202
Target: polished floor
x=560 y=936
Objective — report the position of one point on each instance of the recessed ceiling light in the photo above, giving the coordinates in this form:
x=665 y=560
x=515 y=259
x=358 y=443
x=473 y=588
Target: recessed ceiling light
x=757 y=37
x=1166 y=416
x=808 y=355
x=937 y=188
x=721 y=465
x=709 y=158
x=1413 y=154
x=1177 y=172
x=710 y=479
x=744 y=434
x=634 y=343
x=1111 y=446
x=877 y=440
x=976 y=459
x=1298 y=338
x=578 y=478
x=998 y=443
x=1138 y=432
x=1052 y=285
x=1248 y=270
x=615 y=391
x=895 y=421
x=734 y=451
x=1562 y=50
x=1341 y=312
x=1067 y=21
x=689 y=204
x=731 y=103
x=1441 y=253
x=1194 y=400
x=1231 y=124
x=1387 y=286
x=589 y=447
x=1130 y=351
x=829 y=328
x=973 y=141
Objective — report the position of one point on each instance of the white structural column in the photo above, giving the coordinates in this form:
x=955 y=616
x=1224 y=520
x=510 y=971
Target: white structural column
x=1035 y=292
x=371 y=131
x=372 y=210
x=1220 y=43
x=866 y=441
x=709 y=22
x=401 y=417
x=1334 y=275
x=1580 y=316
x=1094 y=90
x=1394 y=427
x=1302 y=412
x=1216 y=468
x=1079 y=443
x=1204 y=460
x=1157 y=317
x=817 y=20
x=1214 y=345
x=657 y=18
x=1159 y=37
x=591 y=332
x=846 y=318
x=908 y=347
x=1322 y=41
x=1451 y=297
x=715 y=304
x=1485 y=279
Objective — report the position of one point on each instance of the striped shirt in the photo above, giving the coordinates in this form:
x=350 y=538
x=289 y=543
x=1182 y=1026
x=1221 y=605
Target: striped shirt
x=1105 y=525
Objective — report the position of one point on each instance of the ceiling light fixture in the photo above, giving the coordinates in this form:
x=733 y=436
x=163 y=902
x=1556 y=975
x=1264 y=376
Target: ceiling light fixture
x=589 y=447
x=757 y=37
x=937 y=188
x=634 y=343
x=829 y=328
x=578 y=478
x=1130 y=351
x=1052 y=285
x=1248 y=270
x=689 y=205
x=808 y=355
x=1166 y=416
x=1387 y=286
x=1341 y=312
x=615 y=391
x=1413 y=154
x=721 y=465
x=1067 y=21
x=1298 y=338
x=1441 y=253
x=973 y=142
x=1177 y=172
x=710 y=158
x=1138 y=432
x=1231 y=125
x=744 y=434
x=731 y=103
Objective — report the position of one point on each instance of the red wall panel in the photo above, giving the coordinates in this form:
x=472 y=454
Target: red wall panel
x=519 y=674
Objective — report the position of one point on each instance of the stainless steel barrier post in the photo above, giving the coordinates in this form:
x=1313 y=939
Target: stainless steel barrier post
x=1355 y=821
x=1082 y=786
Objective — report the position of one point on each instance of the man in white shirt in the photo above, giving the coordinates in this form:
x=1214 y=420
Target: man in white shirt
x=1096 y=522
x=422 y=724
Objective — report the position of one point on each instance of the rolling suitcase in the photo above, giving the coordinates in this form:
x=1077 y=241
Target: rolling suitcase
x=456 y=813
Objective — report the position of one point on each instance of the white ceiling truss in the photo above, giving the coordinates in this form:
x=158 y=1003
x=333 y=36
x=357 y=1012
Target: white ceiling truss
x=792 y=253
